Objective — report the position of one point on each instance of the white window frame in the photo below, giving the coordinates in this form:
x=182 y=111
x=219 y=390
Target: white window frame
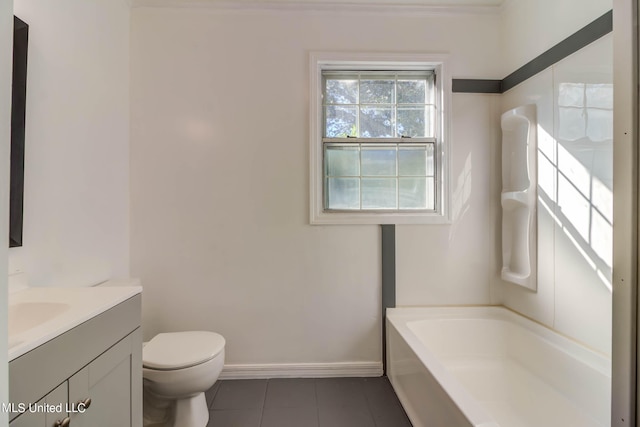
x=320 y=61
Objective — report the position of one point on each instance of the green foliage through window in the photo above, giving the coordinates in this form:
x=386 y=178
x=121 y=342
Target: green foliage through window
x=378 y=104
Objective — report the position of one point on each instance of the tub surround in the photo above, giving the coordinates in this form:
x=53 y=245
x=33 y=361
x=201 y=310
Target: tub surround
x=575 y=193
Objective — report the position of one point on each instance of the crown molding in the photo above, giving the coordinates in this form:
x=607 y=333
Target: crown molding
x=317 y=6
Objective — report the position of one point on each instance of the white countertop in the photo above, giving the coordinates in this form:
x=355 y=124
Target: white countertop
x=37 y=315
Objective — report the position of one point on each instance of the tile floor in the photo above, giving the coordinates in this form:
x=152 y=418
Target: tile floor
x=302 y=402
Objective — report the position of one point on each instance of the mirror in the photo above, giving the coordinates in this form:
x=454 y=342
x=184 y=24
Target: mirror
x=18 y=104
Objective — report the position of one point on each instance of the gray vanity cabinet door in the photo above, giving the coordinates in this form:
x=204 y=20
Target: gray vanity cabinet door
x=47 y=412
x=29 y=419
x=57 y=399
x=107 y=382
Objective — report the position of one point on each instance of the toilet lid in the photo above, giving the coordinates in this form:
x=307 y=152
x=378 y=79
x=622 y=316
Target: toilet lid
x=176 y=350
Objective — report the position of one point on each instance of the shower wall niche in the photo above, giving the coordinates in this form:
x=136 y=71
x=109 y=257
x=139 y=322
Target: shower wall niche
x=519 y=198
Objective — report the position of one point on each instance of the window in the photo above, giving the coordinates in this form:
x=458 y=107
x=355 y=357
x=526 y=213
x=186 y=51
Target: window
x=378 y=142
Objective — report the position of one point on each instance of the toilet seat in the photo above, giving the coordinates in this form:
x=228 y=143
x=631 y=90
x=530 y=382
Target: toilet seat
x=180 y=350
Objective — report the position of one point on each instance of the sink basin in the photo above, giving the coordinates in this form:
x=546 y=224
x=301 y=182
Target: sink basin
x=27 y=315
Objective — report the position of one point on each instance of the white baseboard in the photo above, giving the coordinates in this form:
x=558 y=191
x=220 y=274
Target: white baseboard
x=302 y=370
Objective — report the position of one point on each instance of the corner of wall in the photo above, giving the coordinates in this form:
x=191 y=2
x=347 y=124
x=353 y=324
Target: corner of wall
x=6 y=49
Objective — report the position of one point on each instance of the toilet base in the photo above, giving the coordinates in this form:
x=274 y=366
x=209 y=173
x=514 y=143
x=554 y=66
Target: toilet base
x=191 y=412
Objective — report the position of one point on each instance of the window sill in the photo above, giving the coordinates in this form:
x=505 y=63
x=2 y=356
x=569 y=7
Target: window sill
x=357 y=218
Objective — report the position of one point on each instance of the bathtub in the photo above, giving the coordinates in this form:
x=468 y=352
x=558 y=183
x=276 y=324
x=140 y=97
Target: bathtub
x=490 y=367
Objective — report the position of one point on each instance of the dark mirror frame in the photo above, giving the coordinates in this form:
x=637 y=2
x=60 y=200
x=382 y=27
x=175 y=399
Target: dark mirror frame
x=18 y=112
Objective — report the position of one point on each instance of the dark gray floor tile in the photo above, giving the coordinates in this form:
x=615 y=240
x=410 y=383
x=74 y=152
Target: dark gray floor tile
x=377 y=386
x=345 y=417
x=302 y=416
x=290 y=392
x=235 y=418
x=326 y=402
x=240 y=394
x=391 y=416
x=384 y=404
x=379 y=392
x=340 y=393
x=211 y=393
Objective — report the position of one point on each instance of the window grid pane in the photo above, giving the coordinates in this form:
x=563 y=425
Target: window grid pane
x=343 y=193
x=389 y=105
x=412 y=193
x=379 y=177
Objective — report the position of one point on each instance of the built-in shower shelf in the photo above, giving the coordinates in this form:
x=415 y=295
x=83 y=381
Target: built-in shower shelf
x=514 y=277
x=518 y=198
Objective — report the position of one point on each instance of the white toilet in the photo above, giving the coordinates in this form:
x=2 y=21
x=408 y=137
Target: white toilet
x=178 y=368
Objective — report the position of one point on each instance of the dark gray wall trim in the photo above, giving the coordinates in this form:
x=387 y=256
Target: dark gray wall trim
x=476 y=86
x=587 y=35
x=388 y=266
x=388 y=281
x=583 y=37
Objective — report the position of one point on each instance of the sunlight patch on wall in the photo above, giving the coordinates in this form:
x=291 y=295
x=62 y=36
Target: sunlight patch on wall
x=575 y=172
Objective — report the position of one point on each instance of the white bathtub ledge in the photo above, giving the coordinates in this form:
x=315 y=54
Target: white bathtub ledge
x=452 y=359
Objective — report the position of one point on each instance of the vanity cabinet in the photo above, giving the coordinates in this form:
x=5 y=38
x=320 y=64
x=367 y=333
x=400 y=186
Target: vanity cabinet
x=39 y=417
x=90 y=376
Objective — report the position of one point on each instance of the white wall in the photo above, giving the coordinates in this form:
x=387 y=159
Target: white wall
x=76 y=206
x=453 y=264
x=530 y=27
x=6 y=49
x=219 y=152
x=575 y=170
